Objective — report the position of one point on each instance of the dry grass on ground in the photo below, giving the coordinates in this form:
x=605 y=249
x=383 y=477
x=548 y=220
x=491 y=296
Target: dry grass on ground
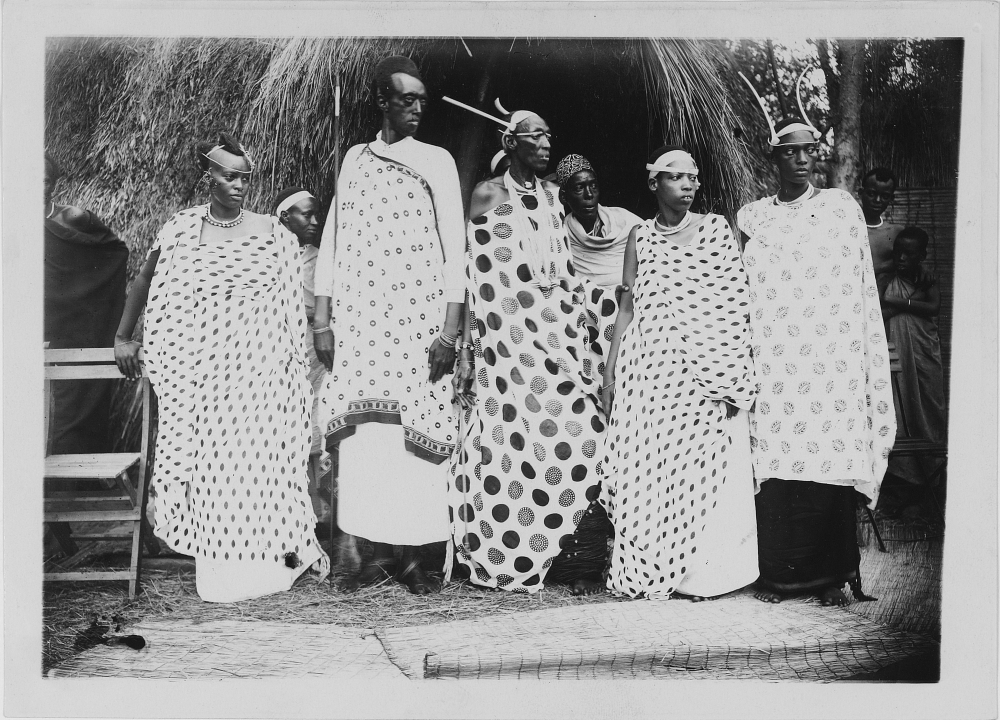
x=70 y=607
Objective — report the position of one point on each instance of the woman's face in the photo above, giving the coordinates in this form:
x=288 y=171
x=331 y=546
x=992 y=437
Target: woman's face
x=228 y=178
x=795 y=158
x=675 y=189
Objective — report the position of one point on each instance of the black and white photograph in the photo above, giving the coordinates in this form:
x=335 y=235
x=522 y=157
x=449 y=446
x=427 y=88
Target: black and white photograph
x=438 y=345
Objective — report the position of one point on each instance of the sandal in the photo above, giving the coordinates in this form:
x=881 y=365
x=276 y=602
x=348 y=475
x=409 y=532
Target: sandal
x=416 y=581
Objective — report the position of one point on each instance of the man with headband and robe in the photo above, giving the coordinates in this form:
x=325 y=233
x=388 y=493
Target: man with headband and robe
x=526 y=472
x=297 y=209
x=823 y=424
x=389 y=278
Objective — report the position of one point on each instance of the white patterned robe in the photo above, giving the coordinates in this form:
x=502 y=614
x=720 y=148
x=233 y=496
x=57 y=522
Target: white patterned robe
x=824 y=409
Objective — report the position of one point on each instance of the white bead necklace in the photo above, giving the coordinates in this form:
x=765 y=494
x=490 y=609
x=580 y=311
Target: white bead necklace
x=801 y=198
x=212 y=220
x=672 y=229
x=872 y=227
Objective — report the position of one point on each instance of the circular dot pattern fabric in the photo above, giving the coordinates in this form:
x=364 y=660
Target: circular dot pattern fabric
x=668 y=444
x=824 y=412
x=526 y=468
x=224 y=349
x=388 y=308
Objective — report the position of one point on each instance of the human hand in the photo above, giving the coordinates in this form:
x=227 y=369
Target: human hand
x=127 y=358
x=440 y=360
x=323 y=344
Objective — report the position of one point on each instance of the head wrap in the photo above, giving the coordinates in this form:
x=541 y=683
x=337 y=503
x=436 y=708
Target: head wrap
x=570 y=166
x=665 y=160
x=776 y=135
x=291 y=201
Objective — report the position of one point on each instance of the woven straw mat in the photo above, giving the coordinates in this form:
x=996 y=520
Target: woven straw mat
x=734 y=637
x=234 y=649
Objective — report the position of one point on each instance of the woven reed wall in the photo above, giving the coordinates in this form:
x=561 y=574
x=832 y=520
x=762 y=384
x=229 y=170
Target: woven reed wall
x=934 y=210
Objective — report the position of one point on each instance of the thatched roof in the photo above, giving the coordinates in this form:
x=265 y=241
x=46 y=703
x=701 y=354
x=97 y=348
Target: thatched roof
x=122 y=115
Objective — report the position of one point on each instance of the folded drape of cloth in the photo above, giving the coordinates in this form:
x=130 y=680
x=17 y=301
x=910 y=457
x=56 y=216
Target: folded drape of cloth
x=600 y=257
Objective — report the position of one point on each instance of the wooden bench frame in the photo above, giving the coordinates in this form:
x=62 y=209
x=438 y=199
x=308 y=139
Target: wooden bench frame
x=126 y=501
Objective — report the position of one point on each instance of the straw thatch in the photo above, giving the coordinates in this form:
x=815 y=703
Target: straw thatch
x=122 y=115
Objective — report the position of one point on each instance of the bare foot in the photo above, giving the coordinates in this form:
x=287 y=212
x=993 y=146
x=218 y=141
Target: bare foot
x=832 y=596
x=692 y=598
x=765 y=595
x=587 y=587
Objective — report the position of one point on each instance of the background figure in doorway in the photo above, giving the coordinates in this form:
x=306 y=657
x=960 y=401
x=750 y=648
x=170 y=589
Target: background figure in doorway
x=910 y=305
x=597 y=237
x=85 y=276
x=298 y=210
x=877 y=191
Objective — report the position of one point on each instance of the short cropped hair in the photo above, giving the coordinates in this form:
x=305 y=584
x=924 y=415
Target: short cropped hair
x=881 y=174
x=387 y=67
x=912 y=233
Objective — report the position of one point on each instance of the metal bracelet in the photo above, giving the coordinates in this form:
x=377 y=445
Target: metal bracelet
x=322 y=330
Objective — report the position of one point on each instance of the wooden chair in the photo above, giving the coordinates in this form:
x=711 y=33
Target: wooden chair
x=66 y=500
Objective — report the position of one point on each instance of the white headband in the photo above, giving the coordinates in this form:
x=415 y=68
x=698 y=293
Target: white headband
x=516 y=117
x=496 y=160
x=291 y=200
x=795 y=127
x=663 y=163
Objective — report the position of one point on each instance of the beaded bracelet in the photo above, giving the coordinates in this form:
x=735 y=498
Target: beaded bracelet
x=467 y=346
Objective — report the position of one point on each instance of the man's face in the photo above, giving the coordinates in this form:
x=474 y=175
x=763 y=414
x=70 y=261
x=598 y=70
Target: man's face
x=531 y=143
x=876 y=196
x=302 y=221
x=795 y=158
x=406 y=106
x=582 y=194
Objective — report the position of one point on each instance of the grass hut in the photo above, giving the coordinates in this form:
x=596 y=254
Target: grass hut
x=123 y=114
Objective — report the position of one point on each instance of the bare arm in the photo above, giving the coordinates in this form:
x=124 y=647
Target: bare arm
x=626 y=312
x=126 y=349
